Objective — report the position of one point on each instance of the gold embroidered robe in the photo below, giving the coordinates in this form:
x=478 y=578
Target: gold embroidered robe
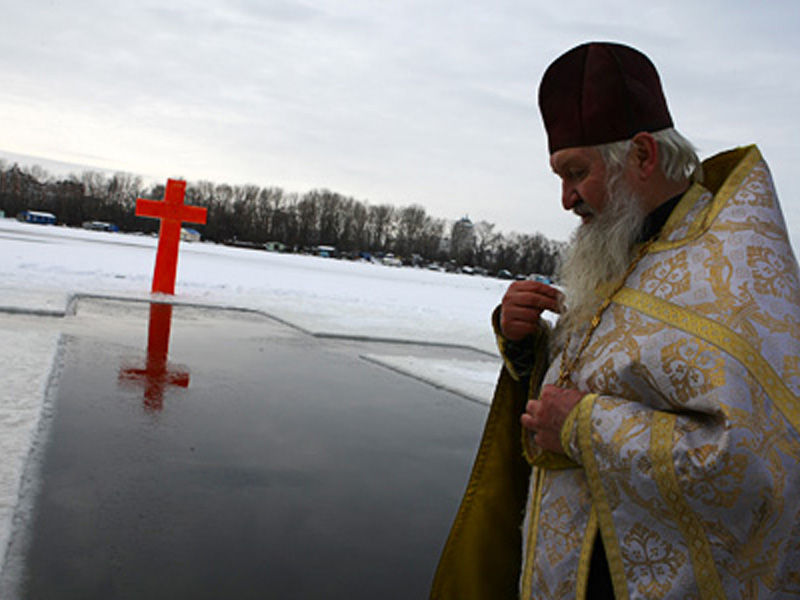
x=685 y=452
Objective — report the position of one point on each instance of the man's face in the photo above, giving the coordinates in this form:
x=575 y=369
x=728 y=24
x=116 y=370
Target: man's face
x=583 y=180
x=602 y=247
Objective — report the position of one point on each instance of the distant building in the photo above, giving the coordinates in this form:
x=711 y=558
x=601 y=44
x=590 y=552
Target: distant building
x=189 y=235
x=36 y=216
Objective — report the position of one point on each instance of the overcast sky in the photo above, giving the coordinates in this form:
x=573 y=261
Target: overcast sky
x=430 y=102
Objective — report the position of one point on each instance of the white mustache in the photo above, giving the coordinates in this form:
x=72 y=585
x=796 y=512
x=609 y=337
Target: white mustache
x=583 y=210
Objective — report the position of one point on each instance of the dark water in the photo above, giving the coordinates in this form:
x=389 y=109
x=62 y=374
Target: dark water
x=287 y=467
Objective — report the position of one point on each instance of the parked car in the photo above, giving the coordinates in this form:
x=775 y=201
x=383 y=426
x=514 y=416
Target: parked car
x=391 y=260
x=100 y=226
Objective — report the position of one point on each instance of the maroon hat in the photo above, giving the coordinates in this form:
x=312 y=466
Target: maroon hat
x=598 y=93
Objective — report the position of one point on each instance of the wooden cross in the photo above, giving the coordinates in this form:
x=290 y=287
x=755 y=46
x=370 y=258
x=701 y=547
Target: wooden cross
x=156 y=375
x=172 y=213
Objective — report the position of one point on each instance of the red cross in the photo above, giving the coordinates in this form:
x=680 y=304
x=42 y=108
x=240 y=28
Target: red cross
x=156 y=375
x=172 y=213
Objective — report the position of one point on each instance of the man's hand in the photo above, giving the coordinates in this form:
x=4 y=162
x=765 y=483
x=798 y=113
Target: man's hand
x=546 y=415
x=522 y=306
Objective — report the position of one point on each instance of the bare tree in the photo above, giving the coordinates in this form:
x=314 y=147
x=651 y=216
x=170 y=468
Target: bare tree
x=410 y=229
x=381 y=226
x=254 y=214
x=462 y=241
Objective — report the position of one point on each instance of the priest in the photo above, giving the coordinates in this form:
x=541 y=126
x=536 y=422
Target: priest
x=647 y=446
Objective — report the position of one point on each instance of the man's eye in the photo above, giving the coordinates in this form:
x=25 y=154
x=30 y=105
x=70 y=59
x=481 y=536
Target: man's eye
x=577 y=173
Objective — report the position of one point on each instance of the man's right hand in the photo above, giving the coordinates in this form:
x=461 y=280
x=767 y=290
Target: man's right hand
x=522 y=306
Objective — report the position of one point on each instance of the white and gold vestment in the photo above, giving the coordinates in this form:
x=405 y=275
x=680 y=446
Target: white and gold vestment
x=685 y=451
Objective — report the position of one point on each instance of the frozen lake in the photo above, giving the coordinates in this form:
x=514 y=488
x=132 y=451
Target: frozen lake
x=333 y=333
x=268 y=463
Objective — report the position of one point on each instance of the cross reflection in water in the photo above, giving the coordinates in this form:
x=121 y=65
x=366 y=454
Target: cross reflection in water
x=157 y=373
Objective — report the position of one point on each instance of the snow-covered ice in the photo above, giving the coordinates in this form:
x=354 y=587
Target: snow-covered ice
x=43 y=268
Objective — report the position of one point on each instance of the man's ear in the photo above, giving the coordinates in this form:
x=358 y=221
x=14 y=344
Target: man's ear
x=644 y=155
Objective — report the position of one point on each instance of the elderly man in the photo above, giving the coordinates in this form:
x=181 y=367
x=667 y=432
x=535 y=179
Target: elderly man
x=659 y=419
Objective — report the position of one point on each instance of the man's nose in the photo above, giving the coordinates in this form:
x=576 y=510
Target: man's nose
x=569 y=196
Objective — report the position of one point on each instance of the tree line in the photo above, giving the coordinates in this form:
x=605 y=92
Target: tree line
x=253 y=215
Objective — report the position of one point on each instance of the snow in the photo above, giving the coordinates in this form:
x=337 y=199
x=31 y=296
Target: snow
x=26 y=358
x=469 y=378
x=44 y=268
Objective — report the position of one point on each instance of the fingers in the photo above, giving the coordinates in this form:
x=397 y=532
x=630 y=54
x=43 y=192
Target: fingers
x=545 y=416
x=528 y=418
x=536 y=416
x=544 y=437
x=522 y=306
x=516 y=323
x=534 y=287
x=534 y=295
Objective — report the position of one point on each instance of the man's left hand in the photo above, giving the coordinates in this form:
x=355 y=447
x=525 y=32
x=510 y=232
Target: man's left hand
x=545 y=417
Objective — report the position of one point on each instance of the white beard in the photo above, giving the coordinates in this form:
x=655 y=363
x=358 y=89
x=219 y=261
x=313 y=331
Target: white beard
x=600 y=252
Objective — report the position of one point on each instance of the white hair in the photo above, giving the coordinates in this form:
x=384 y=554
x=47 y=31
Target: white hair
x=678 y=157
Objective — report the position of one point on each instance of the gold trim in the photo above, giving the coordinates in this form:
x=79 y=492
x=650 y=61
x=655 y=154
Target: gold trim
x=502 y=343
x=705 y=572
x=535 y=506
x=750 y=157
x=585 y=560
x=530 y=451
x=566 y=430
x=599 y=499
x=724 y=338
x=501 y=346
x=544 y=459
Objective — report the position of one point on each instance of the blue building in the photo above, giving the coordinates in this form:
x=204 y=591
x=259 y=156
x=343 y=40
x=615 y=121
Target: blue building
x=35 y=216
